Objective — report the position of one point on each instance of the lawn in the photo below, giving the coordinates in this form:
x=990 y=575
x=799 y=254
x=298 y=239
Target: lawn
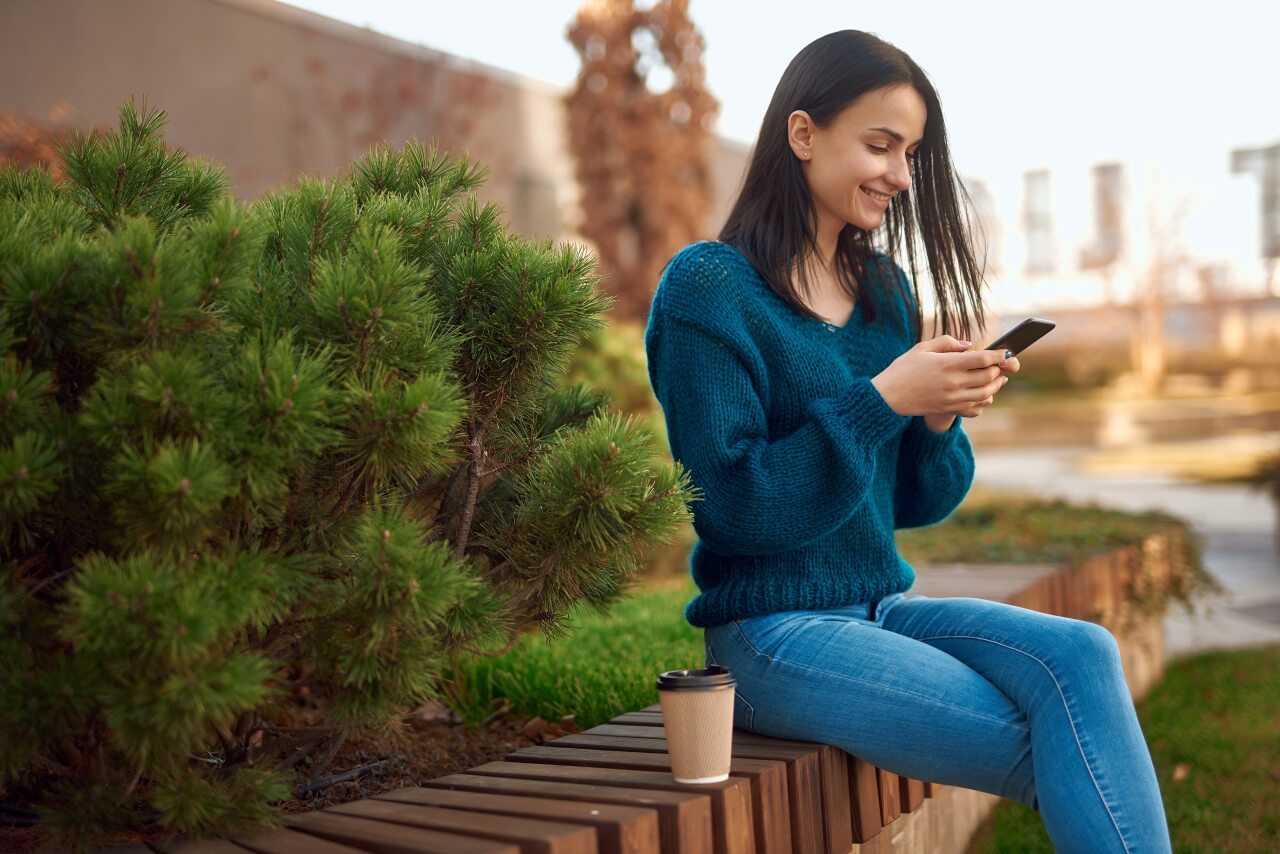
x=1213 y=725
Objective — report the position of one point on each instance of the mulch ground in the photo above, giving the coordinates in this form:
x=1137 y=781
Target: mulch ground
x=434 y=745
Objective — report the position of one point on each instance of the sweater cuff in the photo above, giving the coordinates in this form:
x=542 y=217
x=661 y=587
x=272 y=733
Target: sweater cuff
x=933 y=445
x=866 y=410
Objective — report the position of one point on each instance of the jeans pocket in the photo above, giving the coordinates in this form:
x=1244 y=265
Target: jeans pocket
x=762 y=634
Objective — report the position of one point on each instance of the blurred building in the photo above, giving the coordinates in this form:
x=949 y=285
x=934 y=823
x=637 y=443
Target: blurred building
x=1037 y=222
x=271 y=91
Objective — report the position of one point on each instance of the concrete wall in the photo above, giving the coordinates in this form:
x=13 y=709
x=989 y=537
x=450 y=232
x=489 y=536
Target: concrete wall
x=271 y=92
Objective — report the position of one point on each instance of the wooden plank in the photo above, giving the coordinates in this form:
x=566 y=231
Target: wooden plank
x=532 y=835
x=285 y=841
x=804 y=774
x=837 y=824
x=196 y=846
x=684 y=819
x=910 y=793
x=732 y=811
x=646 y=719
x=769 y=799
x=834 y=812
x=384 y=837
x=619 y=829
x=890 y=804
x=864 y=800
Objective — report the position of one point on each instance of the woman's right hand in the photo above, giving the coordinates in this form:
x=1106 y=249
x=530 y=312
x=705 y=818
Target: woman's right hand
x=942 y=376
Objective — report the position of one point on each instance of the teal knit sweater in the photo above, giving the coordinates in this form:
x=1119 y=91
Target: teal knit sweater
x=805 y=471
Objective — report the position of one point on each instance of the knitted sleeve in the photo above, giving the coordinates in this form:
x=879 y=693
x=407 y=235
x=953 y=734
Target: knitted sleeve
x=935 y=471
x=760 y=494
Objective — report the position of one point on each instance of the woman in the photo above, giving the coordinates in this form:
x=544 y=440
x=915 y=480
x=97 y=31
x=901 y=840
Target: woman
x=788 y=360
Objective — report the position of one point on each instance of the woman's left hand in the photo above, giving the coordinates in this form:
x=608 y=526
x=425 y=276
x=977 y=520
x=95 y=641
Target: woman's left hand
x=940 y=422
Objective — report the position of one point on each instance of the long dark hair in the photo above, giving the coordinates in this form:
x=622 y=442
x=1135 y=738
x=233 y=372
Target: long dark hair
x=773 y=221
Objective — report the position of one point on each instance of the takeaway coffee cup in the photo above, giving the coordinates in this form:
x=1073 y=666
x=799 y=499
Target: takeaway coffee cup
x=697 y=714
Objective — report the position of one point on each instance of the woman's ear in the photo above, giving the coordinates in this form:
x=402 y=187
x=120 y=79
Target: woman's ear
x=800 y=134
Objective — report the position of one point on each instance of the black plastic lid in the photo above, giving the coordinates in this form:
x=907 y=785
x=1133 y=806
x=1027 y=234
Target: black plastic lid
x=696 y=678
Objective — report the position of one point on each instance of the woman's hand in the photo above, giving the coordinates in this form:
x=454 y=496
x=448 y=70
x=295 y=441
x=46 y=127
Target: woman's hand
x=943 y=377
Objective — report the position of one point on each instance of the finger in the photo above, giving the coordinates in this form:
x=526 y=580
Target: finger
x=978 y=378
x=988 y=390
x=975 y=359
x=976 y=409
x=945 y=344
x=1012 y=365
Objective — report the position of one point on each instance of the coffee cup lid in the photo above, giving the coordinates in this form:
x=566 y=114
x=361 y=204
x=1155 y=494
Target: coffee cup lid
x=696 y=678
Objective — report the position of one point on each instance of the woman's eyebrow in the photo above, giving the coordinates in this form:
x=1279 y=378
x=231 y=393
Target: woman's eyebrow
x=897 y=136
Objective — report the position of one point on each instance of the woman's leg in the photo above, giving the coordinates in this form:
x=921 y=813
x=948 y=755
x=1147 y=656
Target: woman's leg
x=1094 y=777
x=838 y=678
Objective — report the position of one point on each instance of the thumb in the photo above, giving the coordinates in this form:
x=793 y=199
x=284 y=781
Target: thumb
x=945 y=344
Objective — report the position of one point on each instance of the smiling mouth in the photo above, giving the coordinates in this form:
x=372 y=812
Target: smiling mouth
x=879 y=197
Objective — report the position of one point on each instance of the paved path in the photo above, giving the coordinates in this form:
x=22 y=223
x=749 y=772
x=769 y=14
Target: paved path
x=1237 y=524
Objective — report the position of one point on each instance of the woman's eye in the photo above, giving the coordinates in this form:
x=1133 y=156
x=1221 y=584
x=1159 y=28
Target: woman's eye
x=881 y=150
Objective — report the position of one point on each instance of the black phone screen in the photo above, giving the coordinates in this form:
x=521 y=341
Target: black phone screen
x=1023 y=335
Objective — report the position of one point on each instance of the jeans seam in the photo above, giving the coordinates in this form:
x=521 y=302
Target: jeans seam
x=1070 y=719
x=865 y=683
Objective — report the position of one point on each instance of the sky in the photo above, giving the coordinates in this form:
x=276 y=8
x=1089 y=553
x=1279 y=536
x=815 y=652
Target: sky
x=1168 y=88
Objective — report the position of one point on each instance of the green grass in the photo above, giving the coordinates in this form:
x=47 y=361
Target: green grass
x=1218 y=716
x=607 y=666
x=993 y=530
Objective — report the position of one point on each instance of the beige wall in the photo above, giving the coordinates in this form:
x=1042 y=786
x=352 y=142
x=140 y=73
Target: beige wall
x=271 y=92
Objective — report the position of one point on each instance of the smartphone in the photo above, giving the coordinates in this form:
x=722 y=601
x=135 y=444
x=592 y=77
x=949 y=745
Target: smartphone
x=1023 y=335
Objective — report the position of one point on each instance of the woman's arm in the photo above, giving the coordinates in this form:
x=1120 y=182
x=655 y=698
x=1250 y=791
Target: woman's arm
x=935 y=471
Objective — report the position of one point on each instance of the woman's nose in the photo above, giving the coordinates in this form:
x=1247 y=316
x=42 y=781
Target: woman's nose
x=900 y=174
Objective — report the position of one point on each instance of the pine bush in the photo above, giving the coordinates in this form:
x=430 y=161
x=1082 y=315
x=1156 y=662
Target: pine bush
x=309 y=447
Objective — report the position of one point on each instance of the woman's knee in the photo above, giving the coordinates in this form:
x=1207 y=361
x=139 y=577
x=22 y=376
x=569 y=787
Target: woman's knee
x=1087 y=644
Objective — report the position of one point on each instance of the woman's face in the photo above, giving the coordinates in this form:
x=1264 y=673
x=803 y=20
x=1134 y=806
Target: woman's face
x=862 y=157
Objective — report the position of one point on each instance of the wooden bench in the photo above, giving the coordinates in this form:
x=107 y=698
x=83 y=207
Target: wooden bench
x=610 y=789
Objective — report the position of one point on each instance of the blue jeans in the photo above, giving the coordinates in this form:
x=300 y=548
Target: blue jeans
x=966 y=692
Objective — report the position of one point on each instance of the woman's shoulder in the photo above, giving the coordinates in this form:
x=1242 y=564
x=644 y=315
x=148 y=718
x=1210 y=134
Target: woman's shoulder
x=705 y=260
x=704 y=278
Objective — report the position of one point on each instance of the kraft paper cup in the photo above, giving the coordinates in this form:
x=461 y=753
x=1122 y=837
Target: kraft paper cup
x=697 y=714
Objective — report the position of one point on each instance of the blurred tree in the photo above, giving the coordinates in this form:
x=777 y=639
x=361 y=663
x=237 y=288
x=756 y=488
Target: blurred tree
x=316 y=443
x=640 y=121
x=25 y=143
x=1167 y=256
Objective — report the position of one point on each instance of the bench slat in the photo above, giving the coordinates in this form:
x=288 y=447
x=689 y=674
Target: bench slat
x=532 y=835
x=732 y=810
x=835 y=806
x=196 y=846
x=684 y=820
x=910 y=793
x=770 y=804
x=386 y=838
x=804 y=772
x=619 y=829
x=890 y=804
x=285 y=841
x=864 y=798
